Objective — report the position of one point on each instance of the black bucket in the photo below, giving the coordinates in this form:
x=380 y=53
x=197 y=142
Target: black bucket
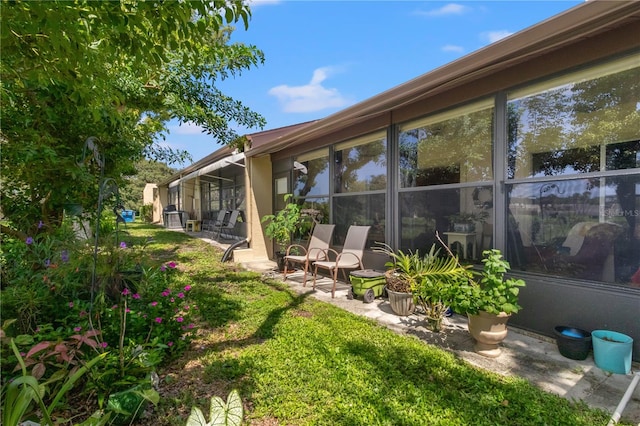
x=573 y=343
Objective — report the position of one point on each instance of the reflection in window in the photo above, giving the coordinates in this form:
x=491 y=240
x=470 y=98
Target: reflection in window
x=452 y=147
x=311 y=174
x=579 y=124
x=360 y=210
x=361 y=164
x=461 y=216
x=312 y=210
x=582 y=228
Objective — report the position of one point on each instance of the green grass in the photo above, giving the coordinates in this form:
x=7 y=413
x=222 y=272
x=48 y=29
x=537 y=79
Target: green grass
x=299 y=361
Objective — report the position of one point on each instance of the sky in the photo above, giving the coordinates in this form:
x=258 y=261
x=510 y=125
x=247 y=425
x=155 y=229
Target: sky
x=324 y=56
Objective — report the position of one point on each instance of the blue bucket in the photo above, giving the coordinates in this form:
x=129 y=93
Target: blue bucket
x=612 y=351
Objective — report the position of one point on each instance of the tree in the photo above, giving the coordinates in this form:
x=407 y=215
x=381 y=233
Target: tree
x=112 y=73
x=146 y=172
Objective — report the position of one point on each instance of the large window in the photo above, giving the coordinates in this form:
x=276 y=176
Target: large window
x=311 y=188
x=429 y=214
x=360 y=182
x=573 y=194
x=452 y=147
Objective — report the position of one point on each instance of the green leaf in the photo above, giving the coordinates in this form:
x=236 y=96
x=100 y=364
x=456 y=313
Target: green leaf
x=196 y=418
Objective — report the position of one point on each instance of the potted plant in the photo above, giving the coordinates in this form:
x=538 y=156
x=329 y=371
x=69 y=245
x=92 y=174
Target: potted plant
x=400 y=269
x=489 y=300
x=436 y=284
x=281 y=226
x=466 y=221
x=431 y=281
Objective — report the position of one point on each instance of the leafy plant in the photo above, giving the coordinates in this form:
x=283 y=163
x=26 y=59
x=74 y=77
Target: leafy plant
x=436 y=284
x=489 y=291
x=400 y=268
x=283 y=224
x=21 y=392
x=220 y=413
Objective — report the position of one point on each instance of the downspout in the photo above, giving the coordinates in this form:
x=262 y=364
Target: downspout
x=623 y=402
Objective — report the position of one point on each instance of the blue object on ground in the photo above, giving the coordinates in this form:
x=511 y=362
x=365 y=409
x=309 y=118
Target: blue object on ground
x=612 y=351
x=128 y=215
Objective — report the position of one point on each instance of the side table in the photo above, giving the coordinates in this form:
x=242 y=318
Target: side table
x=194 y=225
x=466 y=240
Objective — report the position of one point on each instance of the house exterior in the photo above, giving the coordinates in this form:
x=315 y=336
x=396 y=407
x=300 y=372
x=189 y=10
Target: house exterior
x=534 y=140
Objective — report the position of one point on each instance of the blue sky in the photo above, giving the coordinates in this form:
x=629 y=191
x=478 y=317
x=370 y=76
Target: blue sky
x=323 y=56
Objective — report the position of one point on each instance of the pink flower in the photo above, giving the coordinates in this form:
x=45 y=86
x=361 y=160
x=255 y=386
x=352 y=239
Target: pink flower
x=181 y=295
x=186 y=307
x=114 y=307
x=191 y=325
x=170 y=344
x=179 y=319
x=135 y=296
x=83 y=314
x=187 y=288
x=171 y=265
x=163 y=268
x=173 y=300
x=125 y=292
x=71 y=304
x=127 y=310
x=154 y=303
x=104 y=344
x=77 y=329
x=158 y=320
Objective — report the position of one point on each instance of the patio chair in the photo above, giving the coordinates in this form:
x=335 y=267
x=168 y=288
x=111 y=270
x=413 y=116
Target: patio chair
x=349 y=258
x=230 y=223
x=214 y=225
x=315 y=251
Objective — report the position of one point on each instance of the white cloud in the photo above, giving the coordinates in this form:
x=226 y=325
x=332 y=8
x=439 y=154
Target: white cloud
x=452 y=48
x=310 y=97
x=448 y=9
x=188 y=128
x=493 y=36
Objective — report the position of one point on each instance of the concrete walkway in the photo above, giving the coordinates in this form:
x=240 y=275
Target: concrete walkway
x=527 y=355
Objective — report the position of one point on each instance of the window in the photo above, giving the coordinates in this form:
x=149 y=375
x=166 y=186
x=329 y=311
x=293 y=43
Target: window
x=361 y=164
x=311 y=174
x=586 y=124
x=451 y=147
x=580 y=228
x=573 y=194
x=360 y=210
x=425 y=215
x=360 y=186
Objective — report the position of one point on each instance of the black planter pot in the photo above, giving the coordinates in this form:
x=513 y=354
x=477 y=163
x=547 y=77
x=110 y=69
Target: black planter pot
x=280 y=260
x=573 y=343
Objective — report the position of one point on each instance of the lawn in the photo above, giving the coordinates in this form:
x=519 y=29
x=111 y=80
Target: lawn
x=299 y=361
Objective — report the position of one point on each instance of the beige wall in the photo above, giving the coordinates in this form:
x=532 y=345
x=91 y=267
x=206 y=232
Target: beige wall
x=258 y=179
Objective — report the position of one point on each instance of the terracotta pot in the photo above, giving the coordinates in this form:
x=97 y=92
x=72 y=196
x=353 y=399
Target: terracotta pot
x=401 y=303
x=489 y=330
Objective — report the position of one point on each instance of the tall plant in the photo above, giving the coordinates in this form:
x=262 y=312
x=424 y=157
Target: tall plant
x=283 y=224
x=437 y=282
x=490 y=291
